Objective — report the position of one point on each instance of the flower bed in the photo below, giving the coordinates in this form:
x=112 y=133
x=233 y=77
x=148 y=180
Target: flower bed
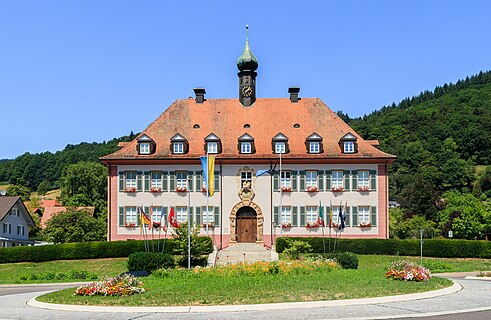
x=405 y=270
x=124 y=285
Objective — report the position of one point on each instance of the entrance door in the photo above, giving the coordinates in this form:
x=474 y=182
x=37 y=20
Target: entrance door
x=246 y=225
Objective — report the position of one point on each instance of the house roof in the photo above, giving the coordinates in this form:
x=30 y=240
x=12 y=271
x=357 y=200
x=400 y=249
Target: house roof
x=49 y=212
x=228 y=119
x=6 y=204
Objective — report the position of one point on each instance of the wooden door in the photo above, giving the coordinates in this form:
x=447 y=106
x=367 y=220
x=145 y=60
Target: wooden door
x=246 y=229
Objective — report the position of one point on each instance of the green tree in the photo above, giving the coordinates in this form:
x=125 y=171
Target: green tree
x=74 y=226
x=181 y=245
x=19 y=190
x=44 y=187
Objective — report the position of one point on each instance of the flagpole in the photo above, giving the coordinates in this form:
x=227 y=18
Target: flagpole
x=281 y=198
x=322 y=228
x=330 y=224
x=189 y=229
x=165 y=230
x=207 y=190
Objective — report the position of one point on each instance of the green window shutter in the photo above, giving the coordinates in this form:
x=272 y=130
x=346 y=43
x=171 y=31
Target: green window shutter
x=139 y=181
x=302 y=180
x=191 y=215
x=355 y=216
x=354 y=180
x=276 y=182
x=276 y=215
x=138 y=217
x=328 y=180
x=165 y=181
x=199 y=183
x=295 y=216
x=347 y=221
x=217 y=181
x=374 y=216
x=190 y=181
x=164 y=219
x=121 y=181
x=373 y=180
x=320 y=180
x=198 y=215
x=121 y=216
x=217 y=216
x=302 y=217
x=346 y=175
x=172 y=179
x=146 y=184
x=294 y=180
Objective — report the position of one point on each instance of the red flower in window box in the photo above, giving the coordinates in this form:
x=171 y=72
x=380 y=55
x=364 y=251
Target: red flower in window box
x=337 y=189
x=286 y=189
x=203 y=190
x=129 y=225
x=181 y=189
x=155 y=189
x=334 y=225
x=209 y=225
x=312 y=189
x=132 y=189
x=365 y=225
x=312 y=225
x=363 y=188
x=286 y=225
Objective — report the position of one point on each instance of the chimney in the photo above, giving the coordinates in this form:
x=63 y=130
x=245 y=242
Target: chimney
x=293 y=91
x=200 y=94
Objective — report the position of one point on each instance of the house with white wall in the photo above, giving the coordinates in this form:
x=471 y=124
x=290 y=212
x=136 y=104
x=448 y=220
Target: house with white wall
x=14 y=222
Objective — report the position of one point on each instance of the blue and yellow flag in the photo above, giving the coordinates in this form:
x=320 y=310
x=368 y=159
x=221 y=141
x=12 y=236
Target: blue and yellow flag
x=208 y=166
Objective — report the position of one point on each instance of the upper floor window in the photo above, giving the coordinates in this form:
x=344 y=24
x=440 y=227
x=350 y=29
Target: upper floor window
x=145 y=145
x=181 y=180
x=130 y=180
x=363 y=179
x=156 y=180
x=246 y=177
x=246 y=144
x=337 y=179
x=213 y=144
x=7 y=228
x=212 y=147
x=20 y=230
x=280 y=144
x=279 y=147
x=314 y=143
x=348 y=143
x=311 y=214
x=179 y=144
x=15 y=212
x=286 y=180
x=311 y=178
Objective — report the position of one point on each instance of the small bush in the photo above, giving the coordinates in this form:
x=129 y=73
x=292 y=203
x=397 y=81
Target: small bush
x=346 y=260
x=182 y=261
x=70 y=275
x=296 y=248
x=435 y=265
x=149 y=261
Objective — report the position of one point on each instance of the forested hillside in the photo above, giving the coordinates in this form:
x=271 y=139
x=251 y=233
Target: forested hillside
x=443 y=143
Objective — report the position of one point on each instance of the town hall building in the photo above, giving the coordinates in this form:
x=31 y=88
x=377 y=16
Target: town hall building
x=314 y=160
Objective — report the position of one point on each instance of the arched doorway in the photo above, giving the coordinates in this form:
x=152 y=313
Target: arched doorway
x=246 y=224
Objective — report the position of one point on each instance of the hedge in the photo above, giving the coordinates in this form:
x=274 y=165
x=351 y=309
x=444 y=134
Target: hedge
x=86 y=250
x=440 y=248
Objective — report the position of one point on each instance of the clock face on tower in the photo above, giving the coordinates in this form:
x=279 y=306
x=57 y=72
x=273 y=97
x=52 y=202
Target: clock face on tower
x=246 y=91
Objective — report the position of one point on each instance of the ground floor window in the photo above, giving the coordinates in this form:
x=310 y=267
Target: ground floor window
x=207 y=214
x=286 y=215
x=311 y=213
x=363 y=214
x=182 y=214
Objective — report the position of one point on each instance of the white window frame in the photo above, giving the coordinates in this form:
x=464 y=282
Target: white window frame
x=7 y=228
x=212 y=147
x=246 y=147
x=20 y=230
x=314 y=147
x=286 y=215
x=337 y=178
x=286 y=179
x=335 y=214
x=363 y=214
x=182 y=214
x=245 y=176
x=311 y=178
x=144 y=147
x=130 y=215
x=14 y=212
x=207 y=216
x=156 y=213
x=178 y=147
x=130 y=179
x=311 y=214
x=280 y=147
x=156 y=180
x=349 y=146
x=181 y=179
x=363 y=178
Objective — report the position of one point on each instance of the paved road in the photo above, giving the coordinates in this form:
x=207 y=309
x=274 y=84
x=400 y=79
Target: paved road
x=475 y=295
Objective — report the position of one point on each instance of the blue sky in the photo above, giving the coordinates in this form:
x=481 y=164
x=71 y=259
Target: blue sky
x=73 y=71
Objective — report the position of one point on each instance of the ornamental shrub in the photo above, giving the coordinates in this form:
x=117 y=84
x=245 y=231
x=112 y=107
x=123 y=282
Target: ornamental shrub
x=149 y=261
x=297 y=247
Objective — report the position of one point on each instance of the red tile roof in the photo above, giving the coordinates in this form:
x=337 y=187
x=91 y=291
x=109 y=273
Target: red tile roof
x=267 y=117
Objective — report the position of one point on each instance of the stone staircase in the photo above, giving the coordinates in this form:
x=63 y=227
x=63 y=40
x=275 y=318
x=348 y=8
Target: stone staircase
x=245 y=252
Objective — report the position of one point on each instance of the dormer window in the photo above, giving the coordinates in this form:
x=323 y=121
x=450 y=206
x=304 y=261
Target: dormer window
x=246 y=144
x=280 y=144
x=179 y=144
x=348 y=144
x=314 y=143
x=213 y=144
x=145 y=145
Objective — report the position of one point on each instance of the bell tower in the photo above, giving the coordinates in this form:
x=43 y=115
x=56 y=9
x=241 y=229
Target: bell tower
x=247 y=65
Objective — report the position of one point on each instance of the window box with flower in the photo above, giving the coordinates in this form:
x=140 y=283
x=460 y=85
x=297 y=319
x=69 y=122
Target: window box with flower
x=155 y=189
x=312 y=189
x=366 y=224
x=203 y=190
x=337 y=189
x=209 y=225
x=334 y=225
x=286 y=225
x=181 y=189
x=130 y=189
x=363 y=188
x=286 y=189
x=312 y=225
x=130 y=225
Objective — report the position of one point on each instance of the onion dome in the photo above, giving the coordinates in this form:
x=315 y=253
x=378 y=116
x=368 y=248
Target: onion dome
x=247 y=61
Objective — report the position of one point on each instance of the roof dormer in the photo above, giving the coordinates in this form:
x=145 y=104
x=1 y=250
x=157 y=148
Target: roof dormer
x=179 y=144
x=213 y=144
x=314 y=143
x=145 y=145
x=280 y=144
x=348 y=143
x=246 y=144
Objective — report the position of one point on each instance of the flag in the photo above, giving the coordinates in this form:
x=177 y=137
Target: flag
x=263 y=171
x=208 y=167
x=144 y=217
x=320 y=217
x=341 y=217
x=172 y=219
x=330 y=214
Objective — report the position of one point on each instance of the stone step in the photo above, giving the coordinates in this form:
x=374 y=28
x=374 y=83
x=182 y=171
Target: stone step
x=253 y=252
